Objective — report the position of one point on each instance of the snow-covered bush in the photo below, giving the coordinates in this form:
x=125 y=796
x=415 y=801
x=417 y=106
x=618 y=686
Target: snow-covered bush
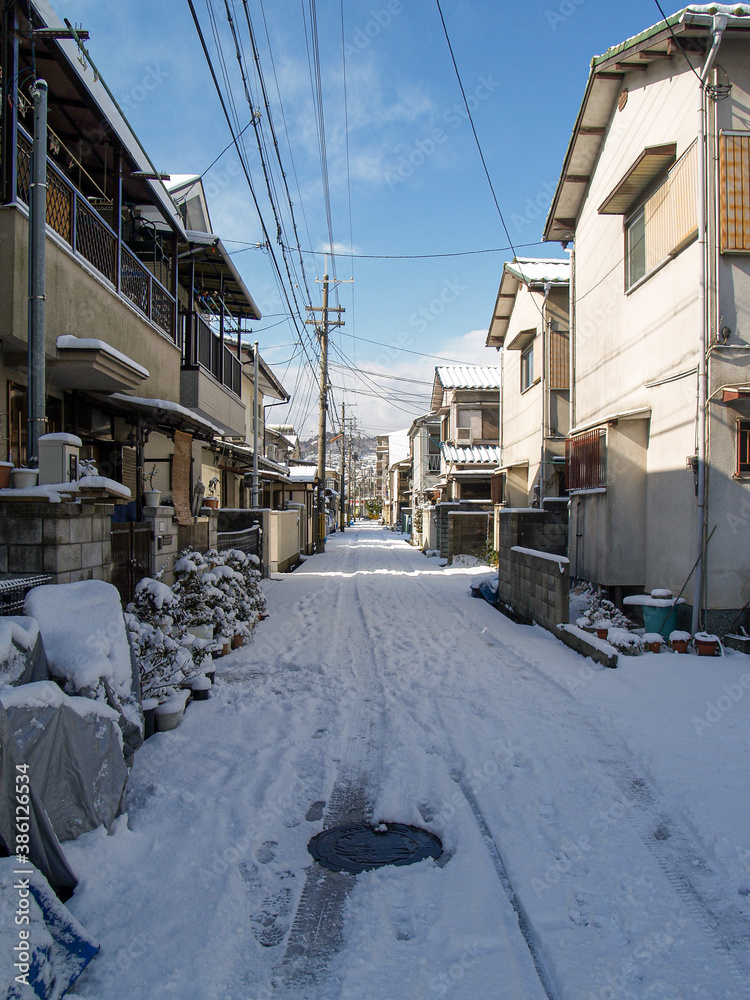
x=602 y=609
x=252 y=605
x=625 y=642
x=163 y=661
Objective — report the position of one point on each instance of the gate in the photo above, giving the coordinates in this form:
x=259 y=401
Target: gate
x=131 y=553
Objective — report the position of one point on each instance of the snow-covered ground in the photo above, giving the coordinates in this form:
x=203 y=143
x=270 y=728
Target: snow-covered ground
x=595 y=822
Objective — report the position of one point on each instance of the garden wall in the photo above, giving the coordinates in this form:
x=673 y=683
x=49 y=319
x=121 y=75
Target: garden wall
x=469 y=532
x=533 y=570
x=441 y=524
x=68 y=541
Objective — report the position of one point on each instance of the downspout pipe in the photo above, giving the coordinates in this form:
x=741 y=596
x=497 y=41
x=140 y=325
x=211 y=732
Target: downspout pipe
x=545 y=336
x=719 y=26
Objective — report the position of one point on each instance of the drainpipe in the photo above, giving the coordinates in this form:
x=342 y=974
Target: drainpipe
x=255 y=426
x=545 y=337
x=719 y=25
x=37 y=288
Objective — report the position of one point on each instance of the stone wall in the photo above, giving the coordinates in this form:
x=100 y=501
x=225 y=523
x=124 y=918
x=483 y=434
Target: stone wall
x=68 y=541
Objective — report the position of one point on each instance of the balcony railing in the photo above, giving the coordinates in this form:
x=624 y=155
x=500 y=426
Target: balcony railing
x=585 y=465
x=86 y=232
x=202 y=347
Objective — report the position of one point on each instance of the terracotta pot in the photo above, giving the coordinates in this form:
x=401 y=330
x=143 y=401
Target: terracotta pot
x=602 y=633
x=226 y=648
x=237 y=641
x=5 y=468
x=680 y=645
x=704 y=648
x=653 y=647
x=212 y=502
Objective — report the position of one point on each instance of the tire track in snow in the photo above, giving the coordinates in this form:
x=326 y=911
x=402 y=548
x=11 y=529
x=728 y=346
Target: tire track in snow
x=316 y=934
x=673 y=844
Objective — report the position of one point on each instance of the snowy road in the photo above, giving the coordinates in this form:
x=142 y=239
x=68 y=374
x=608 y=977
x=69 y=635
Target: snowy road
x=579 y=861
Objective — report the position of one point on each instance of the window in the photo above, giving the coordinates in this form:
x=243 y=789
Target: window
x=635 y=237
x=585 y=461
x=665 y=223
x=490 y=424
x=734 y=160
x=743 y=447
x=473 y=419
x=527 y=368
x=559 y=357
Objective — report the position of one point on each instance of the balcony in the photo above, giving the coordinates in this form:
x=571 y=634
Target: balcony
x=71 y=216
x=211 y=377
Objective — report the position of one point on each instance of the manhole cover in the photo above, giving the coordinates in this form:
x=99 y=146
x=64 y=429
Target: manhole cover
x=360 y=847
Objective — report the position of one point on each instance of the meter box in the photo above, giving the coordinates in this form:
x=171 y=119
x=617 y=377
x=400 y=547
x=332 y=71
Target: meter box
x=58 y=458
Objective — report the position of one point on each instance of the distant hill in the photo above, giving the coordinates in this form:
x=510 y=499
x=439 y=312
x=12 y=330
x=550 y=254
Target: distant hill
x=364 y=445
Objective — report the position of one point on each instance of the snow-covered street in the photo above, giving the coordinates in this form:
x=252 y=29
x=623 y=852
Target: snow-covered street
x=594 y=822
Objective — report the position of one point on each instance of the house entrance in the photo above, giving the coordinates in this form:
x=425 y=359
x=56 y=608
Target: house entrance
x=131 y=545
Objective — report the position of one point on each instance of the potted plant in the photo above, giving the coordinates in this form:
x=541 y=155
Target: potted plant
x=151 y=496
x=653 y=641
x=22 y=478
x=602 y=627
x=706 y=644
x=679 y=641
x=5 y=470
x=212 y=500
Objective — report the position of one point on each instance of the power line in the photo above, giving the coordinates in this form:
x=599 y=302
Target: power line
x=406 y=350
x=404 y=256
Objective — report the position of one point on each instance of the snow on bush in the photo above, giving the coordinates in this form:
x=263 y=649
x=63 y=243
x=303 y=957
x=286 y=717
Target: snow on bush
x=602 y=610
x=217 y=589
x=18 y=637
x=624 y=641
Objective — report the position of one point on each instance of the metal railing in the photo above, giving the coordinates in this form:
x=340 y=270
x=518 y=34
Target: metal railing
x=247 y=540
x=71 y=217
x=13 y=592
x=201 y=346
x=585 y=465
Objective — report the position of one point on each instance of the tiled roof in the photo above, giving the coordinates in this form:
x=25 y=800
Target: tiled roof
x=477 y=454
x=469 y=376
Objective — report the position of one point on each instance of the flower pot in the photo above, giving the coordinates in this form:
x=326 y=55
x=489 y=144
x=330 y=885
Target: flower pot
x=653 y=647
x=5 y=469
x=226 y=647
x=602 y=633
x=212 y=502
x=237 y=641
x=149 y=722
x=151 y=498
x=210 y=674
x=205 y=631
x=23 y=479
x=680 y=645
x=706 y=645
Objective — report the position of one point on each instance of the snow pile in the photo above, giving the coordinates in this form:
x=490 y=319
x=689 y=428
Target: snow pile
x=47 y=694
x=84 y=635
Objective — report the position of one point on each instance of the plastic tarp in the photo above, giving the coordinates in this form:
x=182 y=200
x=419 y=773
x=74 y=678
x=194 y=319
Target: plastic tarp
x=44 y=847
x=74 y=749
x=43 y=948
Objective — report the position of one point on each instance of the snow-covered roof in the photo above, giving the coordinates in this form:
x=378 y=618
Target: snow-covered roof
x=476 y=454
x=164 y=407
x=469 y=376
x=537 y=270
x=302 y=473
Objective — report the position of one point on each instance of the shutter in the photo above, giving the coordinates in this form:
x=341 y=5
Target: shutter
x=671 y=212
x=128 y=470
x=734 y=187
x=559 y=358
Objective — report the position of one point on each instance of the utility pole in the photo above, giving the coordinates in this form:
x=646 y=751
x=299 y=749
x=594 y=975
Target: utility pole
x=322 y=330
x=254 y=503
x=342 y=490
x=37 y=283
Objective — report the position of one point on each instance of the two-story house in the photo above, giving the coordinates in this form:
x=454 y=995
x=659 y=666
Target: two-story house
x=466 y=402
x=654 y=197
x=530 y=328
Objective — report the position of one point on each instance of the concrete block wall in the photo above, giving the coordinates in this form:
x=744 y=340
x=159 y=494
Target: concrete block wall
x=442 y=525
x=537 y=587
x=533 y=585
x=468 y=533
x=68 y=541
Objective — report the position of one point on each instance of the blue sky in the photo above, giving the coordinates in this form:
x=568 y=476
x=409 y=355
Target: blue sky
x=409 y=181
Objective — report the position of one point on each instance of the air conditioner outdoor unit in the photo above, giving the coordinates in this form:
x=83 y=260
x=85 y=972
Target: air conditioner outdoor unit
x=464 y=435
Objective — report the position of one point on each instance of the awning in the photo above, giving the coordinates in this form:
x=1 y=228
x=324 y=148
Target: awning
x=216 y=277
x=93 y=366
x=165 y=414
x=731 y=395
x=653 y=161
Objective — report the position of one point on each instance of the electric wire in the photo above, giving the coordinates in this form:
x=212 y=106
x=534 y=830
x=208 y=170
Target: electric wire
x=407 y=256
